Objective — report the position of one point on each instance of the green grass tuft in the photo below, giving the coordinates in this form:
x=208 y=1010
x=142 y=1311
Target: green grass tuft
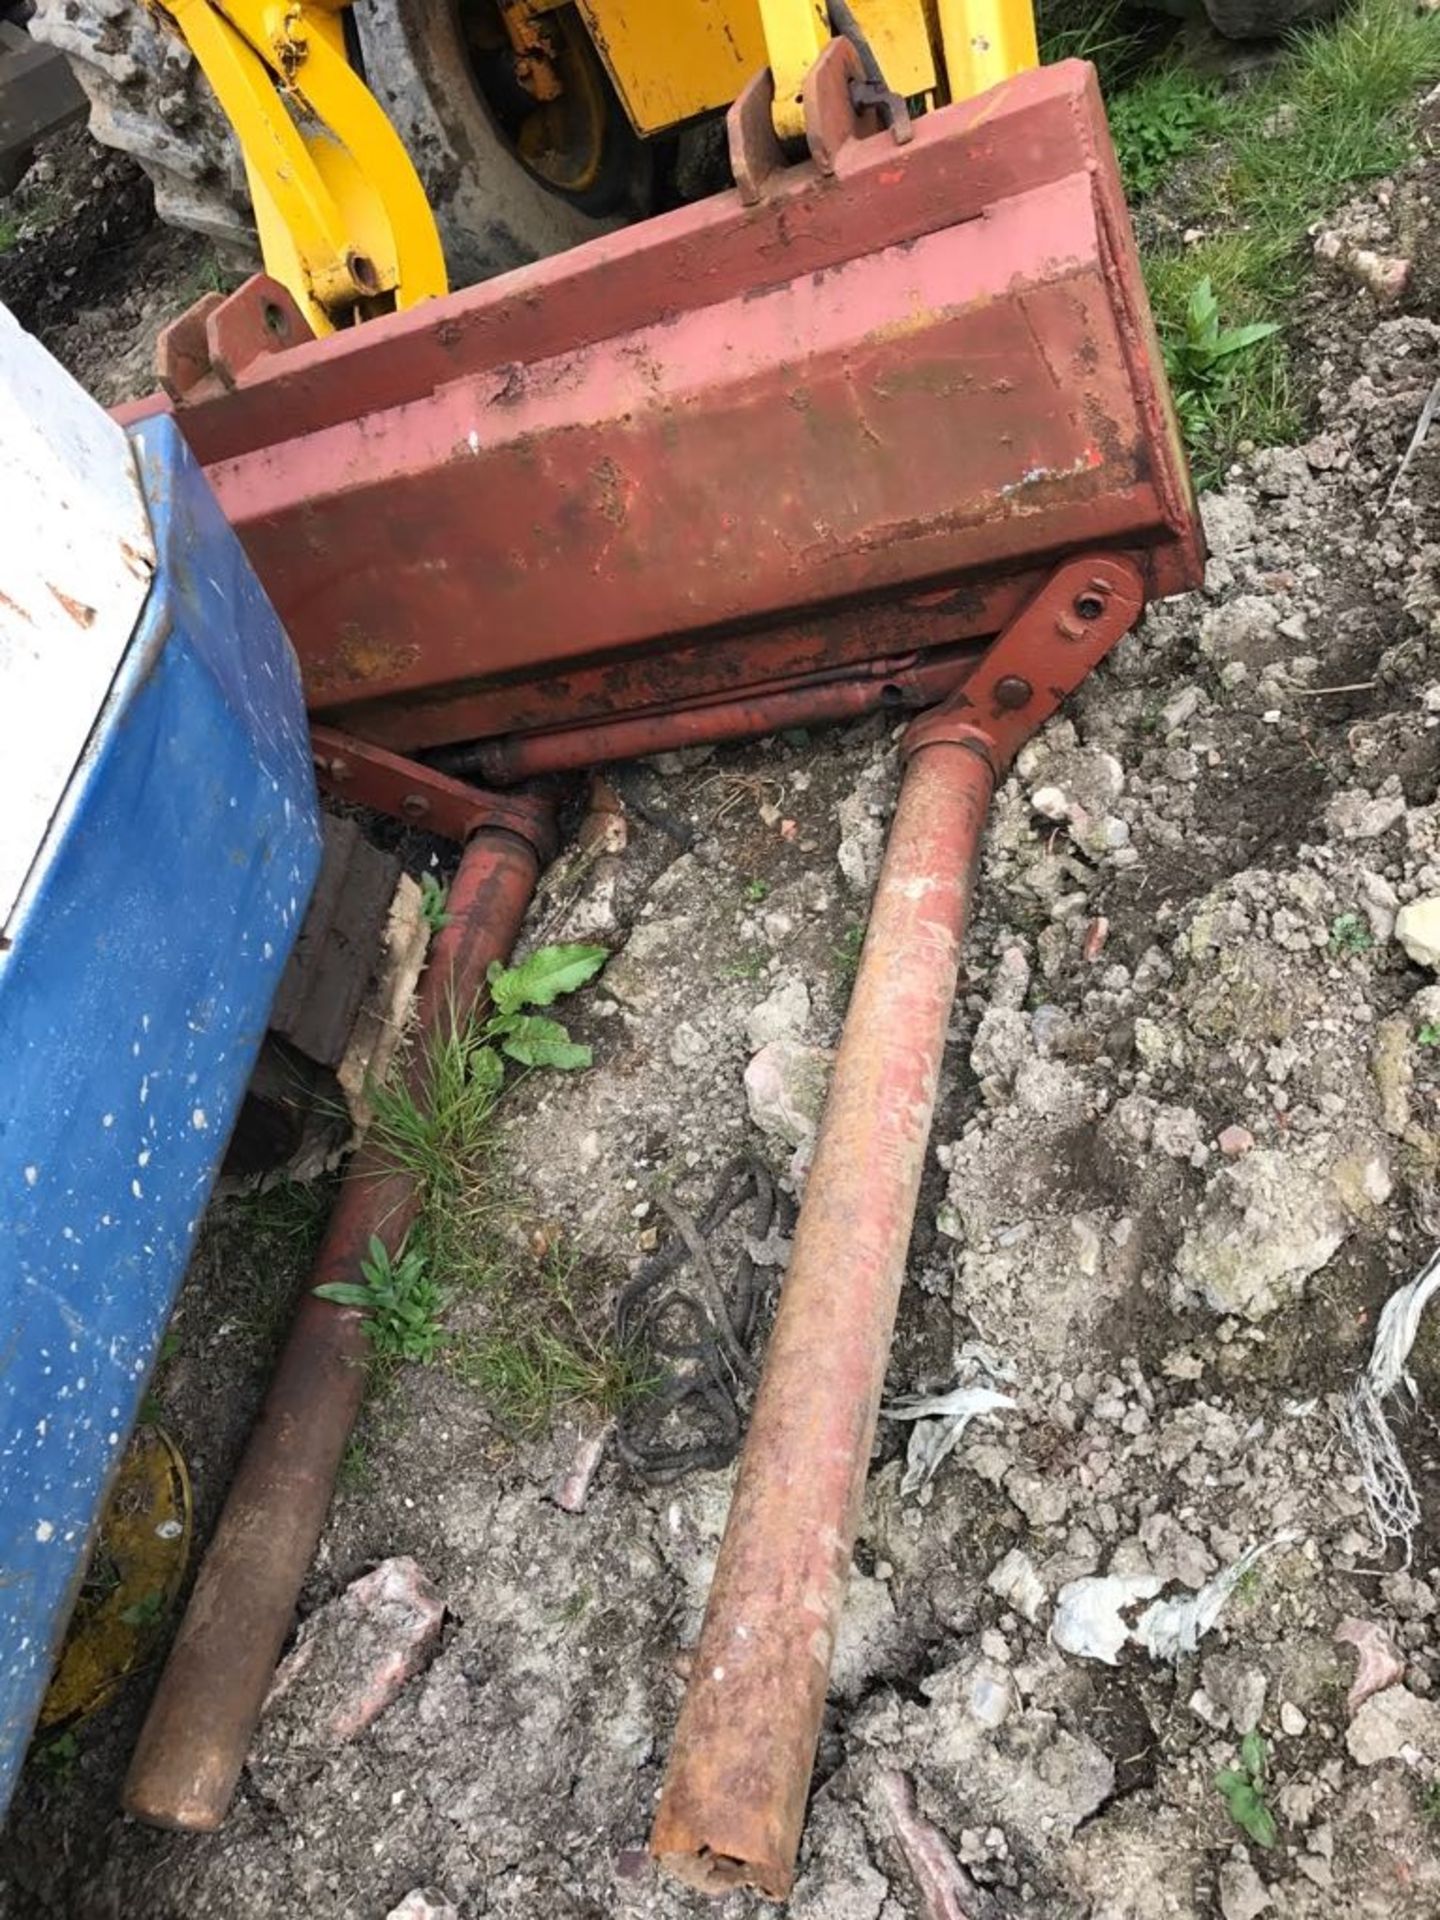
x=1338 y=110
x=1115 y=37
x=546 y=1345
x=401 y=1299
x=1243 y=1791
x=542 y=1341
x=847 y=954
x=43 y=211
x=1167 y=114
x=442 y=1136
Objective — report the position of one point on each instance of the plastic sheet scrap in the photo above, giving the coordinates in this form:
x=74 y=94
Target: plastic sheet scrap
x=941 y=1418
x=1389 y=1490
x=1091 y=1615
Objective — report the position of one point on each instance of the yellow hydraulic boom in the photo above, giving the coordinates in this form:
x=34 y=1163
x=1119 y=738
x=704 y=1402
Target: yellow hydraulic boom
x=342 y=216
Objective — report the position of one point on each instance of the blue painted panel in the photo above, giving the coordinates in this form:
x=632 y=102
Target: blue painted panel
x=133 y=999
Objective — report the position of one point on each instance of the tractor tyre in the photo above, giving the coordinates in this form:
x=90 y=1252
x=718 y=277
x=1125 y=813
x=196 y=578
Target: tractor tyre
x=1264 y=19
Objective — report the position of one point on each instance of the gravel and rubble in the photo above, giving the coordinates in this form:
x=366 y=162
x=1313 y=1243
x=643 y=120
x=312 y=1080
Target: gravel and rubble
x=1187 y=1146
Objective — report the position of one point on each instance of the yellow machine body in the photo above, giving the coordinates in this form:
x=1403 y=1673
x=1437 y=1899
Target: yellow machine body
x=673 y=60
x=342 y=215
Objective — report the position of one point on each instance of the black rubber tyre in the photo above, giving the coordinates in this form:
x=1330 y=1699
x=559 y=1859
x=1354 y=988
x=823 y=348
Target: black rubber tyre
x=1264 y=19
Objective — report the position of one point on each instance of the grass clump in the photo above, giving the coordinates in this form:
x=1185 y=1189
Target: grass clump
x=37 y=218
x=1167 y=114
x=402 y=1303
x=1350 y=934
x=540 y=1350
x=56 y=1759
x=433 y=896
x=1115 y=37
x=542 y=1344
x=438 y=1129
x=1243 y=1790
x=847 y=954
x=1206 y=363
x=1337 y=110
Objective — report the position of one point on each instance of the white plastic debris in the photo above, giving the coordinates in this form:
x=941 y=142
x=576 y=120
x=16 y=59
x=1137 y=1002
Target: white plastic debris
x=1173 y=1627
x=1017 y=1581
x=941 y=1418
x=940 y=1423
x=1389 y=1489
x=1091 y=1615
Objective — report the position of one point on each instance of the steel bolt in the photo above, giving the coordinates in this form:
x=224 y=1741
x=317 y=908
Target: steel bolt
x=1089 y=606
x=414 y=806
x=1012 y=692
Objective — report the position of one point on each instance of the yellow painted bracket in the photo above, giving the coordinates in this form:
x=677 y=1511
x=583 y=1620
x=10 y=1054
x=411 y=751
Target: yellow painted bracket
x=985 y=42
x=974 y=45
x=136 y=1569
x=796 y=34
x=342 y=216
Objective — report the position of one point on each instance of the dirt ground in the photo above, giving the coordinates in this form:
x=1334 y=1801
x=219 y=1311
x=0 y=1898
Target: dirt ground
x=90 y=272
x=1187 y=1145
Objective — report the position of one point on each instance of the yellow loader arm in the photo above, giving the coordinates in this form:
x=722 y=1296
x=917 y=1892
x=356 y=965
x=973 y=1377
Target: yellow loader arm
x=343 y=219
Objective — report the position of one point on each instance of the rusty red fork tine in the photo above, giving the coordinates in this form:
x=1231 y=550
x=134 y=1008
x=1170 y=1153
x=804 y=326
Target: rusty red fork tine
x=188 y=1758
x=734 y=1797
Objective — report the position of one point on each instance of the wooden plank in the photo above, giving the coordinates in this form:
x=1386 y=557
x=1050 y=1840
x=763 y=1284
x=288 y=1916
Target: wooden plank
x=339 y=945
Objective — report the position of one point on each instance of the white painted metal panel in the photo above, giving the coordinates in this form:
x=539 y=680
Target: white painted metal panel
x=76 y=559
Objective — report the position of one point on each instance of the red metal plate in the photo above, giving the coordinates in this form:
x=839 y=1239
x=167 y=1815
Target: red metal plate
x=730 y=447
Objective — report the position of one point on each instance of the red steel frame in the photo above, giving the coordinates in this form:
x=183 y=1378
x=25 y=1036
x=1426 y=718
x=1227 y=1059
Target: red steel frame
x=786 y=456
x=737 y=451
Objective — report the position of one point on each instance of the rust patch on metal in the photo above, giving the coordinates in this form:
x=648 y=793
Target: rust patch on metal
x=360 y=657
x=79 y=612
x=610 y=491
x=14 y=607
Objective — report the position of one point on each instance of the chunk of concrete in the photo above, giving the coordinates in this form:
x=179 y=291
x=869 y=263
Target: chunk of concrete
x=1393 y=1725
x=1271 y=1219
x=424 y=1903
x=1243 y=1895
x=781 y=1015
x=1417 y=928
x=352 y=1657
x=785 y=1087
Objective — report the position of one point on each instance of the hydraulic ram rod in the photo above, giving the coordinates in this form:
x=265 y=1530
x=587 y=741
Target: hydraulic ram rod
x=734 y=1797
x=199 y=1726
